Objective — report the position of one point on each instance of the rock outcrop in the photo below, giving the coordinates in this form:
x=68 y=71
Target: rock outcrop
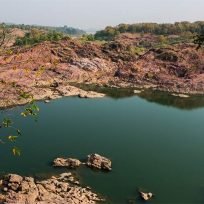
x=69 y=162
x=15 y=189
x=99 y=162
x=67 y=90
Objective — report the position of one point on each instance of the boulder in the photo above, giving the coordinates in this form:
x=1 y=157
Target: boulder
x=14 y=178
x=82 y=95
x=65 y=175
x=99 y=162
x=69 y=162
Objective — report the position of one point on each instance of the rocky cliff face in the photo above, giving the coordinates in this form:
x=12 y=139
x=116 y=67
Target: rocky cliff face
x=178 y=68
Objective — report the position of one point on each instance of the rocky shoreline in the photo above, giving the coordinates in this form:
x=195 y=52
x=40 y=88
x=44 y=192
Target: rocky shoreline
x=47 y=94
x=15 y=189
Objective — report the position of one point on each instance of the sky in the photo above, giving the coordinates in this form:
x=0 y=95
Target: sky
x=98 y=14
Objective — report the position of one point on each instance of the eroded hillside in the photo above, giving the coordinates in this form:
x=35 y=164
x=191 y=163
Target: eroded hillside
x=39 y=69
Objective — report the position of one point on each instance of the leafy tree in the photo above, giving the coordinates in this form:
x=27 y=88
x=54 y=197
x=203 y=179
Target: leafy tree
x=89 y=37
x=4 y=35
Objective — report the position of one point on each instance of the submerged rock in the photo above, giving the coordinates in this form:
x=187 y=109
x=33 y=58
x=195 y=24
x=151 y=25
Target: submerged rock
x=54 y=190
x=181 y=95
x=69 y=162
x=99 y=162
x=146 y=196
x=47 y=101
x=137 y=91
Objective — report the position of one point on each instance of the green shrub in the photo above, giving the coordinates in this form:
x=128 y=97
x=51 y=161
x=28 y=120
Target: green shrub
x=136 y=50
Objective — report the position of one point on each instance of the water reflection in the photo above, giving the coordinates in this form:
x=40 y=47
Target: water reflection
x=159 y=97
x=167 y=99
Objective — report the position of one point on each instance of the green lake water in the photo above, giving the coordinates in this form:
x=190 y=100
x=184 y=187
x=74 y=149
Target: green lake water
x=155 y=142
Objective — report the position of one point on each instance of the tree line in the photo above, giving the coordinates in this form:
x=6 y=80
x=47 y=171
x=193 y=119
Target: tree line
x=65 y=29
x=36 y=36
x=177 y=28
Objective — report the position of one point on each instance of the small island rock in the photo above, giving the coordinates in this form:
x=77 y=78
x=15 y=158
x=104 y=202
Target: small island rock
x=99 y=162
x=146 y=196
x=69 y=162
